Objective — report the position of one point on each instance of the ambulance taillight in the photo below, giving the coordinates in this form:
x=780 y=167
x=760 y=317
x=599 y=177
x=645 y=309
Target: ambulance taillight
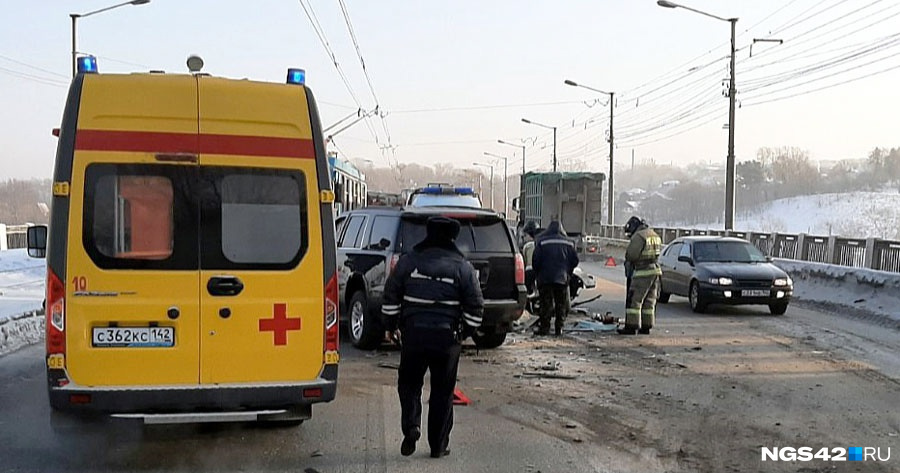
x=332 y=328
x=56 y=315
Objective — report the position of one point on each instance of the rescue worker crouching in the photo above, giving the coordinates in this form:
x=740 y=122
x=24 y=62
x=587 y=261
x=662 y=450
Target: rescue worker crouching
x=554 y=260
x=432 y=302
x=642 y=254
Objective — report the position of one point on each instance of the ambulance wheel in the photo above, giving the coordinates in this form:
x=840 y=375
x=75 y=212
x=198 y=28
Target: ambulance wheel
x=489 y=339
x=365 y=329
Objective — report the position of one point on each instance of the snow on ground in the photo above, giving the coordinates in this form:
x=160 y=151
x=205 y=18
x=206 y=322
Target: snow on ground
x=851 y=214
x=21 y=296
x=874 y=292
x=21 y=283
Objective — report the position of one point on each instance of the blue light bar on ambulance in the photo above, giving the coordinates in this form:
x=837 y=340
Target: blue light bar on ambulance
x=87 y=65
x=296 y=76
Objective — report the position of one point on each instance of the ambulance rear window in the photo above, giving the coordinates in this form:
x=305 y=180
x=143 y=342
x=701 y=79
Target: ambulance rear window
x=133 y=217
x=261 y=218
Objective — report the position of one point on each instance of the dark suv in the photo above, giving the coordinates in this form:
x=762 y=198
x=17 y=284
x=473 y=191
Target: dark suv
x=371 y=240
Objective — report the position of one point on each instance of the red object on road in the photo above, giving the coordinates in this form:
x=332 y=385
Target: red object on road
x=610 y=261
x=460 y=399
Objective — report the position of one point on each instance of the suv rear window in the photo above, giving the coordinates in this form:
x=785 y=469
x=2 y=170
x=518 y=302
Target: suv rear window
x=475 y=235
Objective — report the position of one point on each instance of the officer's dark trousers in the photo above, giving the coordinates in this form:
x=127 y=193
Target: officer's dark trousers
x=554 y=302
x=437 y=351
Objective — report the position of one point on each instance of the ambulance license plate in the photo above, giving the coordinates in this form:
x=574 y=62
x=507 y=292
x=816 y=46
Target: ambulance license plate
x=755 y=293
x=133 y=337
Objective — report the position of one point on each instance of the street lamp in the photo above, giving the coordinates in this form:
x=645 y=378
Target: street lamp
x=610 y=207
x=492 y=179
x=505 y=182
x=76 y=16
x=732 y=93
x=554 y=137
x=522 y=179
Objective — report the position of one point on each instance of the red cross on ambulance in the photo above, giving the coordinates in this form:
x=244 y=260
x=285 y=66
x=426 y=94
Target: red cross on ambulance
x=279 y=324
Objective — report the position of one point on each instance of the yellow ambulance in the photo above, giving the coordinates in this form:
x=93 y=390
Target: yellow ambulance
x=190 y=252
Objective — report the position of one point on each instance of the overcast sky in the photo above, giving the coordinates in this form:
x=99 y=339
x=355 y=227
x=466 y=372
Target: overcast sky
x=453 y=77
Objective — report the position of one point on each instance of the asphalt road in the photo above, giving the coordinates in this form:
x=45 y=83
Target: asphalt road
x=358 y=432
x=703 y=393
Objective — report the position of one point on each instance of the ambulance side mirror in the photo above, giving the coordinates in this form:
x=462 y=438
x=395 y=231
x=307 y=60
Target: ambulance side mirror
x=37 y=241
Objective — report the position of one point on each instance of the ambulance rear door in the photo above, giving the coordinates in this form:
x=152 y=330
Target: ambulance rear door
x=261 y=282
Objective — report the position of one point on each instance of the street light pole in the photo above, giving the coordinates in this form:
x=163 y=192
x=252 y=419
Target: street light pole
x=525 y=120
x=505 y=181
x=492 y=180
x=610 y=207
x=522 y=178
x=76 y=16
x=732 y=97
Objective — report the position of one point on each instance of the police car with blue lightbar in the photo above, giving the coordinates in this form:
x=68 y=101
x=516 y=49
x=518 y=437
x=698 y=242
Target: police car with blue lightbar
x=443 y=195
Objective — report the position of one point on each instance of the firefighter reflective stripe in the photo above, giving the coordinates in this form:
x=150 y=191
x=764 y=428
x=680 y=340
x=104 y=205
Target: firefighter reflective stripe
x=654 y=271
x=417 y=275
x=652 y=247
x=418 y=300
x=390 y=309
x=558 y=241
x=632 y=316
x=472 y=320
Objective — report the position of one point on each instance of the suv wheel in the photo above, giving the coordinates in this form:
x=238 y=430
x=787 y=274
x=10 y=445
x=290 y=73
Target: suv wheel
x=489 y=339
x=364 y=330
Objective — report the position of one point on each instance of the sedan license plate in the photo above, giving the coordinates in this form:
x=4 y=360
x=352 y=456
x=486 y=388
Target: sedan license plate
x=133 y=337
x=755 y=293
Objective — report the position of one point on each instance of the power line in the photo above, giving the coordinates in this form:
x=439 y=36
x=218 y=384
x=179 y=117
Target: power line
x=824 y=87
x=16 y=61
x=483 y=107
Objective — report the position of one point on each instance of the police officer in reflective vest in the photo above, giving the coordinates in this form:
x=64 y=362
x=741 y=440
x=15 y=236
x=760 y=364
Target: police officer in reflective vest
x=433 y=300
x=642 y=253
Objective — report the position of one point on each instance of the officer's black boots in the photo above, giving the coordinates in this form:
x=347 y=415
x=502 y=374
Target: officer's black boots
x=408 y=447
x=628 y=330
x=645 y=330
x=439 y=454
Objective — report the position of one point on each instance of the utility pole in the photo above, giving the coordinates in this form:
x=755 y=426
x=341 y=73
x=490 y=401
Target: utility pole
x=729 y=164
x=610 y=205
x=610 y=212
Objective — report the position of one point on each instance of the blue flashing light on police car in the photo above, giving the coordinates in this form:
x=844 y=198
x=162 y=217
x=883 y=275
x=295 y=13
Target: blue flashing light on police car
x=87 y=65
x=464 y=190
x=296 y=76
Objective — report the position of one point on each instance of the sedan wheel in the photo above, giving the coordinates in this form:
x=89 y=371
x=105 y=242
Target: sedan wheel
x=778 y=308
x=698 y=305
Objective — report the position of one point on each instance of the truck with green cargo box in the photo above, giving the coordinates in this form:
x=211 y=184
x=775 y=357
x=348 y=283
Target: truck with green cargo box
x=575 y=198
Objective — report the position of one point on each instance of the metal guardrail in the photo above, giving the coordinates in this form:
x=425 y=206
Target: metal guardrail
x=13 y=236
x=871 y=253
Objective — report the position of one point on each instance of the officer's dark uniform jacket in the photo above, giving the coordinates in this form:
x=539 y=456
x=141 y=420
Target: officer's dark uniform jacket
x=433 y=288
x=554 y=256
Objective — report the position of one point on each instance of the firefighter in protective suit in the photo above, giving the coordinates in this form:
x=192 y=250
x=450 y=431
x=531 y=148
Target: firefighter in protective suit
x=642 y=253
x=433 y=300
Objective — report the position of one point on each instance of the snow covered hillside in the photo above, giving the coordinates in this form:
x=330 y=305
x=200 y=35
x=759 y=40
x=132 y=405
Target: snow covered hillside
x=853 y=214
